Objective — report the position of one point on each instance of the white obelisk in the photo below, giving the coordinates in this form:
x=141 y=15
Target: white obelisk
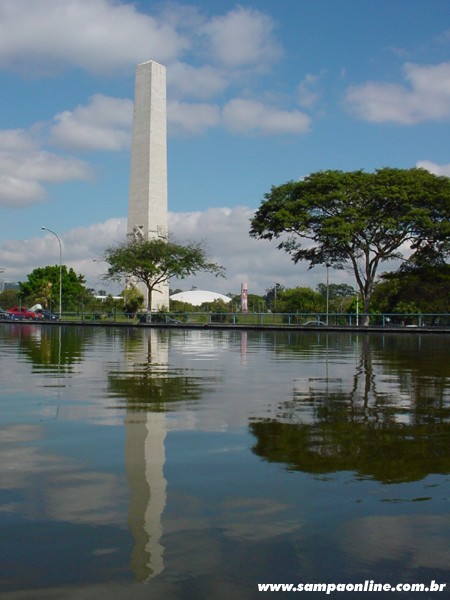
x=147 y=207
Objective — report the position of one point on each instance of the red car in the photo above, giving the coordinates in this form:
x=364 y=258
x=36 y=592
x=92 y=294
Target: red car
x=22 y=313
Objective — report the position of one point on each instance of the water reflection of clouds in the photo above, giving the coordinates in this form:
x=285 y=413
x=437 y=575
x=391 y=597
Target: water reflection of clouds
x=20 y=433
x=257 y=519
x=421 y=541
x=96 y=591
x=180 y=535
x=87 y=497
x=200 y=344
x=55 y=486
x=20 y=457
x=196 y=535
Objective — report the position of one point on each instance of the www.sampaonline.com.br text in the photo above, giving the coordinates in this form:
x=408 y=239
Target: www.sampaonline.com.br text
x=368 y=586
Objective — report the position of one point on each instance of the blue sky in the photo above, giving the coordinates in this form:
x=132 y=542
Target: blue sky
x=258 y=93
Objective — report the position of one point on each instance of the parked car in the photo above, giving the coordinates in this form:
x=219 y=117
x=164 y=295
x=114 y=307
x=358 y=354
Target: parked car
x=6 y=316
x=22 y=313
x=46 y=315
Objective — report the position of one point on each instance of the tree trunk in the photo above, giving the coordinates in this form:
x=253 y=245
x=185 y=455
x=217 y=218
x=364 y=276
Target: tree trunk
x=149 y=299
x=366 y=309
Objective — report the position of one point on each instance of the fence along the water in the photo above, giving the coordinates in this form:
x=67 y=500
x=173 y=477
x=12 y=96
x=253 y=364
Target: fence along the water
x=268 y=318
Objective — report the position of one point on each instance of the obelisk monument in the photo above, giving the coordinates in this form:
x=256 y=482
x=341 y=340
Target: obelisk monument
x=147 y=206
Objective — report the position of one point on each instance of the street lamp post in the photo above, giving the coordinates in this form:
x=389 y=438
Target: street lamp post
x=357 y=310
x=60 y=268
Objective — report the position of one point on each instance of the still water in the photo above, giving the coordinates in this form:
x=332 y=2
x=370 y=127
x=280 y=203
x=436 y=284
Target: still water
x=140 y=463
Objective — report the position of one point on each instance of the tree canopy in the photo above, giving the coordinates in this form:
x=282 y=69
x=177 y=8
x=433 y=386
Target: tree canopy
x=360 y=219
x=418 y=289
x=335 y=290
x=9 y=298
x=155 y=261
x=299 y=299
x=42 y=286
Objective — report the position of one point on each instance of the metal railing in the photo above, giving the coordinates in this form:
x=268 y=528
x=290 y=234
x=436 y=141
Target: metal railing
x=265 y=319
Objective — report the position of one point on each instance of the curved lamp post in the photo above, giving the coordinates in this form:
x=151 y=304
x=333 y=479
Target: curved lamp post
x=60 y=269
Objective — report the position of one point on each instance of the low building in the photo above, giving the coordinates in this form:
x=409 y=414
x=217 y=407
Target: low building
x=199 y=297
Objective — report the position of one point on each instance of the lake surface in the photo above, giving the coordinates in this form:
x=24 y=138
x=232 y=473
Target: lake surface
x=144 y=463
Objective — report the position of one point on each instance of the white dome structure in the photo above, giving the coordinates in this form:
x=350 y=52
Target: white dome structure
x=199 y=297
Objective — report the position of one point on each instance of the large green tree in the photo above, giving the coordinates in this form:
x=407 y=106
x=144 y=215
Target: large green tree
x=360 y=219
x=42 y=286
x=155 y=261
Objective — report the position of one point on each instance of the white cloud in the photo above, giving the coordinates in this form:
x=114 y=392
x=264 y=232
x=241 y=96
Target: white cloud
x=42 y=166
x=308 y=91
x=239 y=116
x=24 y=168
x=82 y=249
x=200 y=83
x=427 y=97
x=254 y=117
x=19 y=192
x=99 y=35
x=192 y=118
x=103 y=124
x=16 y=140
x=434 y=168
x=102 y=36
x=242 y=38
x=224 y=231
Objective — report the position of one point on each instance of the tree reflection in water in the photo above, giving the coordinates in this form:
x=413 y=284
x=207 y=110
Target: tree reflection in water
x=50 y=348
x=147 y=383
x=392 y=433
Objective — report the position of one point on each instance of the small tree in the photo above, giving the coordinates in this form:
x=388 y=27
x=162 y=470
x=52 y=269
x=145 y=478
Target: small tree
x=358 y=218
x=299 y=299
x=339 y=294
x=132 y=300
x=155 y=261
x=271 y=296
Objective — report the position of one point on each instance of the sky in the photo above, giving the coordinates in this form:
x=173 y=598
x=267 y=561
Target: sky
x=258 y=93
